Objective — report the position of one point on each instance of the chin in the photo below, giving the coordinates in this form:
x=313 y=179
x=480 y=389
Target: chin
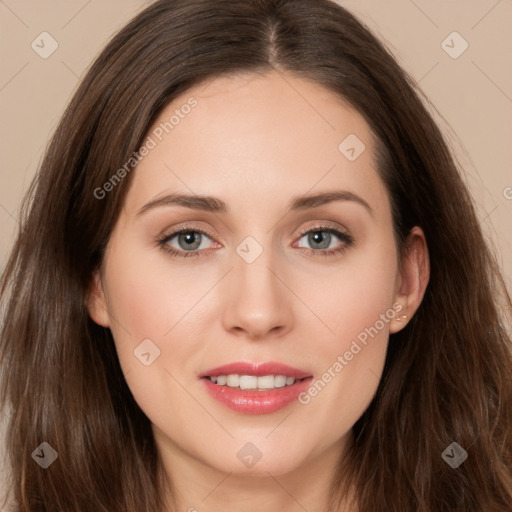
x=275 y=465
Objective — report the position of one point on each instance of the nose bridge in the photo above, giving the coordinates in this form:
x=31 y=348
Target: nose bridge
x=253 y=269
x=257 y=300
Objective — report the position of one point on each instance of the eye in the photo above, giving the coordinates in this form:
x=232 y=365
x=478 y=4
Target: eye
x=320 y=239
x=189 y=240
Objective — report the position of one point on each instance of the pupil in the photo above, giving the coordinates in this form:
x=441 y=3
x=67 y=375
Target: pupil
x=190 y=238
x=319 y=238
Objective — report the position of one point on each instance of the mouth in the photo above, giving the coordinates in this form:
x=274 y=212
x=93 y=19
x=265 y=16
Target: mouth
x=252 y=388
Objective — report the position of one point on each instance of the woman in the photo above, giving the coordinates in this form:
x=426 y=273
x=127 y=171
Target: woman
x=173 y=337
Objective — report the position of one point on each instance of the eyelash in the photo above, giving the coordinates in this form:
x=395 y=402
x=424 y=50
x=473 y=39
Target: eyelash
x=344 y=237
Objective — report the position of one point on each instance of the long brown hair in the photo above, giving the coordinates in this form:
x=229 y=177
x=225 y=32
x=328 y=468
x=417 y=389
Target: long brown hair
x=448 y=374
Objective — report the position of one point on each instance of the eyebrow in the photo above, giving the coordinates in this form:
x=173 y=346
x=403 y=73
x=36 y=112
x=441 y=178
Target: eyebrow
x=216 y=205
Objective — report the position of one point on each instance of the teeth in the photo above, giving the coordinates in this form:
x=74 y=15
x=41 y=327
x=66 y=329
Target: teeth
x=270 y=382
x=252 y=382
x=280 y=381
x=233 y=381
x=248 y=382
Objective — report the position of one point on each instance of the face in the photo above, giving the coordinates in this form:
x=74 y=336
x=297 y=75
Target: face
x=263 y=277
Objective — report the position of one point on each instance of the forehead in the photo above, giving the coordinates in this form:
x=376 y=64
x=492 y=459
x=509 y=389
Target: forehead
x=257 y=136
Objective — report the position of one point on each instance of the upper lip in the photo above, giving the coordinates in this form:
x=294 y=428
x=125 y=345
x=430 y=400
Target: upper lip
x=256 y=369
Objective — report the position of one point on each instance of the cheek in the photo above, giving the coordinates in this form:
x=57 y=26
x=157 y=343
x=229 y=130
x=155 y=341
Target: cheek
x=351 y=294
x=147 y=297
x=152 y=299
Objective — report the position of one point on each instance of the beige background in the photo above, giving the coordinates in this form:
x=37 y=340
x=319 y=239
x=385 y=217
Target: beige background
x=472 y=93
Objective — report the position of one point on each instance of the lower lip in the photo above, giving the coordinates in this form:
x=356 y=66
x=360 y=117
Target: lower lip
x=256 y=402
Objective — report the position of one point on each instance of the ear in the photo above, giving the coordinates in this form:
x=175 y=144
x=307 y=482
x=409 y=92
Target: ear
x=413 y=278
x=95 y=301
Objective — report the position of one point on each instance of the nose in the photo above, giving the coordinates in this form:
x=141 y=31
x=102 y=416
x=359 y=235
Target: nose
x=258 y=303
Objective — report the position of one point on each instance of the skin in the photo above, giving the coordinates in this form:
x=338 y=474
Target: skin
x=255 y=141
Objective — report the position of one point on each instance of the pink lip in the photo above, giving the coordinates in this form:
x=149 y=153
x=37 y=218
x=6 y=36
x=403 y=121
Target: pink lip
x=256 y=402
